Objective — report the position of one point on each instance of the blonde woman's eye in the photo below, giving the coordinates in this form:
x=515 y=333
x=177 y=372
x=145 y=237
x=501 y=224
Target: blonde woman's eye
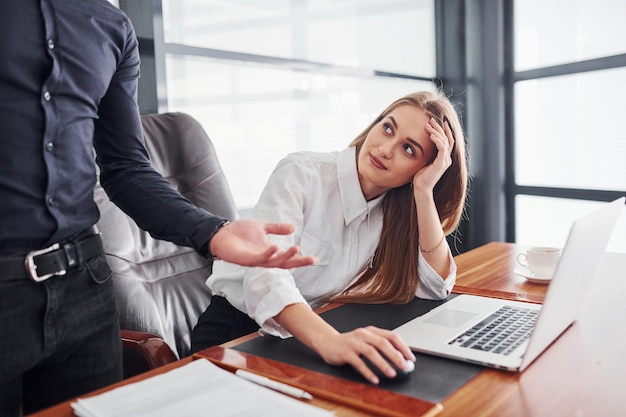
x=388 y=129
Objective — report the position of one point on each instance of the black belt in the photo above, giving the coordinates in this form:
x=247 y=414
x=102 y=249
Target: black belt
x=39 y=265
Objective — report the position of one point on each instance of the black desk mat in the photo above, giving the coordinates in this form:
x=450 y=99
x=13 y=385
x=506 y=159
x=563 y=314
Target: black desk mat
x=433 y=380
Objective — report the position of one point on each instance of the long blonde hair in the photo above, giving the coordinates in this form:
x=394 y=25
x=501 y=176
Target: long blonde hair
x=393 y=277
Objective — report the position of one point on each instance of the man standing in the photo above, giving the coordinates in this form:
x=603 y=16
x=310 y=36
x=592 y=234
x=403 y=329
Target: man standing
x=68 y=85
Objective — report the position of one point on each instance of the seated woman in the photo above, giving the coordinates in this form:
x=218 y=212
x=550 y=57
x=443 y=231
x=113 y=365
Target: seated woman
x=375 y=215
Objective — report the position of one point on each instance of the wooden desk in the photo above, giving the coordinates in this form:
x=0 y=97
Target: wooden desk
x=581 y=374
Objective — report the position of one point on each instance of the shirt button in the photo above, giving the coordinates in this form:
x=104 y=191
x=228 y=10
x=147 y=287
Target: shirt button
x=50 y=44
x=49 y=146
x=50 y=201
x=47 y=96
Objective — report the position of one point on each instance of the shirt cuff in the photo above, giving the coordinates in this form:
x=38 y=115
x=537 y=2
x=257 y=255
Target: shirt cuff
x=271 y=305
x=431 y=285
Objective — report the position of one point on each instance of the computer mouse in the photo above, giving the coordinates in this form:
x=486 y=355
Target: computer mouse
x=401 y=374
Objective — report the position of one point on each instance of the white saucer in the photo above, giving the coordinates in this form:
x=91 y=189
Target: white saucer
x=525 y=272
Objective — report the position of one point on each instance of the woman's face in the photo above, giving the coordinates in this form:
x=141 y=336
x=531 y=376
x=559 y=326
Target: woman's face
x=394 y=150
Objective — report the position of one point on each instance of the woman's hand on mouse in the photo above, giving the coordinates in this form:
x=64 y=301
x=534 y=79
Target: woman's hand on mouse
x=369 y=342
x=346 y=348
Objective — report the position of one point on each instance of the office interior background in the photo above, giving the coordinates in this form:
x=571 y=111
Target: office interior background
x=540 y=85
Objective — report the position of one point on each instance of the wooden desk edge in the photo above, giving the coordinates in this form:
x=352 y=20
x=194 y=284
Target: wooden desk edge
x=504 y=295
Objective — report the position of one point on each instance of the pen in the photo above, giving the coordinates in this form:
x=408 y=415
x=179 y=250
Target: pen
x=270 y=383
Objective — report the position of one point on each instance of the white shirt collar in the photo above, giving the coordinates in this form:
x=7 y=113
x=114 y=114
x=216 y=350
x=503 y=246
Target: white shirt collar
x=352 y=199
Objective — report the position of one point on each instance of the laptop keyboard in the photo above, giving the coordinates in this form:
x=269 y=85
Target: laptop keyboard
x=501 y=332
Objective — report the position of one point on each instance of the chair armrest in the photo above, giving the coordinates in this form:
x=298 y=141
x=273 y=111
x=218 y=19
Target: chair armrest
x=144 y=351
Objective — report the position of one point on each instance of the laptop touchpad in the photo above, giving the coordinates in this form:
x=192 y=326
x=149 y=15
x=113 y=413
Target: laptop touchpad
x=450 y=318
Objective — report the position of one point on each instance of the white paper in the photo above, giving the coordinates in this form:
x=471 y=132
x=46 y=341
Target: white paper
x=197 y=389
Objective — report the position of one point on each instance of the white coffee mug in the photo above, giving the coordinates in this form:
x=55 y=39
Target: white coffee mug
x=540 y=260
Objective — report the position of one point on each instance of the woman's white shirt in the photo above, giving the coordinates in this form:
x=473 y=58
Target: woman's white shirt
x=320 y=194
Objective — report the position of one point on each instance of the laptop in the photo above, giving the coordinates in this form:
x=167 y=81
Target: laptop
x=455 y=329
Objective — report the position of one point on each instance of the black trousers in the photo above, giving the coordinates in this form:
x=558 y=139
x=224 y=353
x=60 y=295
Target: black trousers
x=59 y=339
x=220 y=323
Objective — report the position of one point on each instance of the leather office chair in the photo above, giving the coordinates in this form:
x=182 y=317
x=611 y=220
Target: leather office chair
x=159 y=286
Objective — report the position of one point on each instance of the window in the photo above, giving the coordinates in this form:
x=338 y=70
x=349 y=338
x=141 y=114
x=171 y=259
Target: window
x=269 y=78
x=569 y=121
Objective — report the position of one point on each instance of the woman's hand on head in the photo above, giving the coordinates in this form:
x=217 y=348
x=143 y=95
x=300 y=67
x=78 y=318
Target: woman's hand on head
x=426 y=178
x=371 y=342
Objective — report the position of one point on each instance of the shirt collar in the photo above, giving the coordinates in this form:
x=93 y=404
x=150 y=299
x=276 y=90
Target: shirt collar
x=352 y=199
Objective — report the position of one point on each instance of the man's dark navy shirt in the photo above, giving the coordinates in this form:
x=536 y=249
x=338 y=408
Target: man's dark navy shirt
x=68 y=85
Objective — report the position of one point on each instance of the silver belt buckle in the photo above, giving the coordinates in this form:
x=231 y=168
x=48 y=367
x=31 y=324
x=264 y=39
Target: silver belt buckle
x=31 y=268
